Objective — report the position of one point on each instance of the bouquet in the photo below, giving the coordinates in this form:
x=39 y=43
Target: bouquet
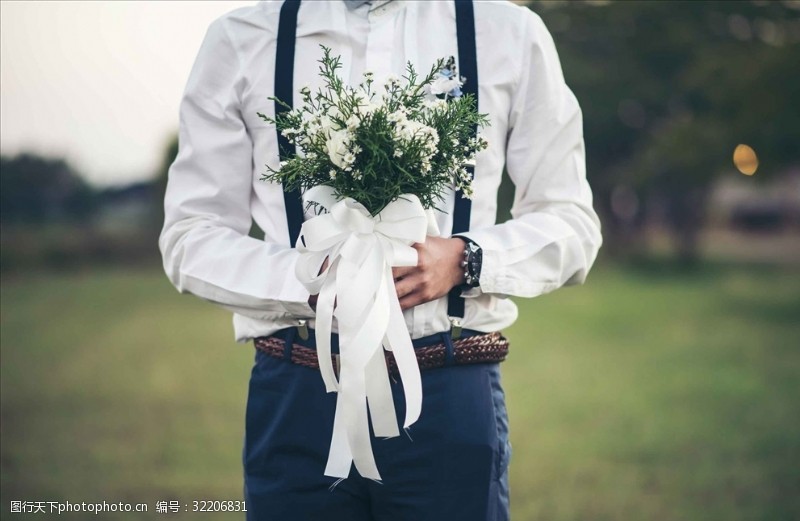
x=374 y=142
x=374 y=160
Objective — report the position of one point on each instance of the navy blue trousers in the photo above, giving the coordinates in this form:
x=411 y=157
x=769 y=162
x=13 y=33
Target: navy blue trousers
x=452 y=466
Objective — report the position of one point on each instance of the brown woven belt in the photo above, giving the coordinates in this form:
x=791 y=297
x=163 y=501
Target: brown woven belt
x=476 y=349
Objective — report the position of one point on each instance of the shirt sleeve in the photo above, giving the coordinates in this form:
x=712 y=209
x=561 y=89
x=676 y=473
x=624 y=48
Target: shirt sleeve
x=554 y=234
x=204 y=242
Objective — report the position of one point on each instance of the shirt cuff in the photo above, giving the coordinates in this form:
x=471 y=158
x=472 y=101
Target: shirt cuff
x=294 y=296
x=492 y=272
x=491 y=268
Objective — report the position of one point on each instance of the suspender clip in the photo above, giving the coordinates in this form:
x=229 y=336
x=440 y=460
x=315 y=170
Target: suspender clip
x=455 y=328
x=302 y=329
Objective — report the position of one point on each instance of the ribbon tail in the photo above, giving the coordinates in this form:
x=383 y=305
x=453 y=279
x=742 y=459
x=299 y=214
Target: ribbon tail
x=325 y=303
x=354 y=416
x=340 y=459
x=360 y=341
x=400 y=343
x=379 y=397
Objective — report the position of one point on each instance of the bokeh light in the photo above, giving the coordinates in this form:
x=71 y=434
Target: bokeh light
x=745 y=159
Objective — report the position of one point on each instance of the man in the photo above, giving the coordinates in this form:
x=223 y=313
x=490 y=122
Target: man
x=456 y=465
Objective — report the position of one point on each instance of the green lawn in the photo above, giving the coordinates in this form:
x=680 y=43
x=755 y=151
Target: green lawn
x=643 y=395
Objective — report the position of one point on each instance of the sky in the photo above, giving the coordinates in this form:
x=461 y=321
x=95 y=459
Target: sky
x=98 y=82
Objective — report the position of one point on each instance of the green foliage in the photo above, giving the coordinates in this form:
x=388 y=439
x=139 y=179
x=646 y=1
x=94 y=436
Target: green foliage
x=375 y=143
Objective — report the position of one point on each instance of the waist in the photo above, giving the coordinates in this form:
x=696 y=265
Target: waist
x=291 y=335
x=433 y=351
x=482 y=313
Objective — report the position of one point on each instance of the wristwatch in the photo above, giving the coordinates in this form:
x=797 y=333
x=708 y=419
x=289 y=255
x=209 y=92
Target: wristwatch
x=473 y=259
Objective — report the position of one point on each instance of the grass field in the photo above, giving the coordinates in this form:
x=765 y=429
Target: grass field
x=643 y=395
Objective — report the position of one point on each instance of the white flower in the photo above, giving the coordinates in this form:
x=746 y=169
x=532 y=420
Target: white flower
x=367 y=104
x=337 y=146
x=353 y=122
x=397 y=117
x=432 y=105
x=443 y=85
x=328 y=124
x=307 y=117
x=426 y=165
x=311 y=123
x=332 y=174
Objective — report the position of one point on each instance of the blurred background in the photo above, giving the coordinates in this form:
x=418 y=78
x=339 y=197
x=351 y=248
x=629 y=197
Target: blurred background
x=667 y=387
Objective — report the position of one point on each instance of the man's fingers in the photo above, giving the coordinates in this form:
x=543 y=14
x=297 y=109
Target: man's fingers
x=406 y=285
x=409 y=284
x=410 y=300
x=402 y=271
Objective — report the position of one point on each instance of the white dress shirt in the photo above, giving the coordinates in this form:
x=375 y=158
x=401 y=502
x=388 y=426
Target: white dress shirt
x=214 y=187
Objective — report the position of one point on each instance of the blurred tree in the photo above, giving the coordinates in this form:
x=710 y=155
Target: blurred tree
x=35 y=189
x=668 y=89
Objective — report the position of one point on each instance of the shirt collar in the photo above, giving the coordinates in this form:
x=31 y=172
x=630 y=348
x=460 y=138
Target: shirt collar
x=355 y=4
x=373 y=4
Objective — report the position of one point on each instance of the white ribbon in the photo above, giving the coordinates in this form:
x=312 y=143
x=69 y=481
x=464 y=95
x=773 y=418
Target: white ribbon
x=361 y=251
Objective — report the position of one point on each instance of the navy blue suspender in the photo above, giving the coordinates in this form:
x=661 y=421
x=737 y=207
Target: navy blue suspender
x=284 y=90
x=467 y=67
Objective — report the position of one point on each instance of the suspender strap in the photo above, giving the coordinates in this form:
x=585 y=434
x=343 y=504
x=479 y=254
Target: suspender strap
x=467 y=67
x=284 y=91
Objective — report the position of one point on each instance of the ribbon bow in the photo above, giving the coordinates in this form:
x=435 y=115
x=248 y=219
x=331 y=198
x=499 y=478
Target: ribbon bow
x=361 y=251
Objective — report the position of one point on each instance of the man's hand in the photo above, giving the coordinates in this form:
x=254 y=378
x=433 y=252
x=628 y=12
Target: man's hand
x=437 y=271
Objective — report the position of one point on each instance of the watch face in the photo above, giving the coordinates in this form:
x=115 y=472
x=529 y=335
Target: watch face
x=474 y=259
